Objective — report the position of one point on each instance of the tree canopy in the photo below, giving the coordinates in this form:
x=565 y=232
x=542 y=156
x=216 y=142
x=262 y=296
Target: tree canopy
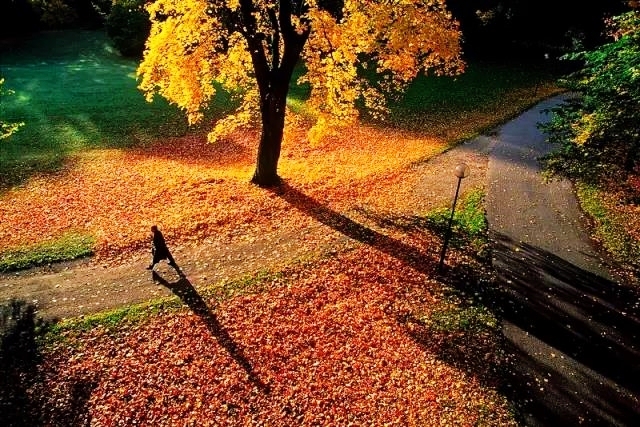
x=527 y=29
x=251 y=48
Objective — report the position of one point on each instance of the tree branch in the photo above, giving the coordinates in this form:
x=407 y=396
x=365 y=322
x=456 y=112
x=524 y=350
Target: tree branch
x=275 y=38
x=293 y=41
x=250 y=32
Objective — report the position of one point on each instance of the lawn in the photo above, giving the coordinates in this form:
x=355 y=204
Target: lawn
x=73 y=92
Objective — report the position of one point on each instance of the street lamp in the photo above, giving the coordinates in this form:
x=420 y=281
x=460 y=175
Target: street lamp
x=461 y=171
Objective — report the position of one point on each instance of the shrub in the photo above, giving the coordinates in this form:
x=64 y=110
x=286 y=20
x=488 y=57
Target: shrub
x=597 y=131
x=128 y=26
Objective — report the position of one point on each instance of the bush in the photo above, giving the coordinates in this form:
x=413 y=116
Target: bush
x=597 y=131
x=128 y=26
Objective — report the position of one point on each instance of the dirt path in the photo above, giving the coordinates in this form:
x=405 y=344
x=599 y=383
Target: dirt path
x=73 y=289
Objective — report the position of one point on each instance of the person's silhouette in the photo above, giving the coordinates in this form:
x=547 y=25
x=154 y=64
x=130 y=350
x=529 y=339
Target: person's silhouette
x=160 y=250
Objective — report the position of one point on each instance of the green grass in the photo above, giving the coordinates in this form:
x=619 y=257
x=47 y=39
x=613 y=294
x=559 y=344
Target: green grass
x=74 y=92
x=461 y=319
x=469 y=225
x=480 y=84
x=608 y=227
x=68 y=247
x=469 y=217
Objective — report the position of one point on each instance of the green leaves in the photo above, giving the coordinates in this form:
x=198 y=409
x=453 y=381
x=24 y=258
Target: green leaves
x=602 y=121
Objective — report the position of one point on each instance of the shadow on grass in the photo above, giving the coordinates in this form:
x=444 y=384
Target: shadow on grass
x=571 y=337
x=418 y=259
x=184 y=290
x=23 y=399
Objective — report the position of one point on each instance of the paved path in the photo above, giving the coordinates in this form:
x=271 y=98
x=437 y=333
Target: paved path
x=85 y=287
x=572 y=331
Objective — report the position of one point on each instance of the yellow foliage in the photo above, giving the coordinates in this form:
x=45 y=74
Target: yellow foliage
x=585 y=127
x=194 y=43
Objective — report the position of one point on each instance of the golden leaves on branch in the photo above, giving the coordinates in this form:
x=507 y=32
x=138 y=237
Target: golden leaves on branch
x=191 y=46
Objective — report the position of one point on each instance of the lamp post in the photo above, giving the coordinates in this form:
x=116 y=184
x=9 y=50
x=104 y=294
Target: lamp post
x=544 y=70
x=461 y=171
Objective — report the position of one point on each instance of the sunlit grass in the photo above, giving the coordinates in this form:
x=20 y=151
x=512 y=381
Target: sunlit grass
x=73 y=92
x=469 y=216
x=67 y=247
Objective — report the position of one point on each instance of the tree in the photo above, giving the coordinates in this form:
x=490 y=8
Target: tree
x=598 y=131
x=128 y=26
x=252 y=47
x=512 y=28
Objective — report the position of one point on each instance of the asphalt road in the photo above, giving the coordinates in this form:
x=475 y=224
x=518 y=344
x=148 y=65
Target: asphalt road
x=571 y=330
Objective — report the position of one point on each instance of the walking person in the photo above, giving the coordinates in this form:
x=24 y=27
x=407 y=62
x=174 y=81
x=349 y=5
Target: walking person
x=160 y=251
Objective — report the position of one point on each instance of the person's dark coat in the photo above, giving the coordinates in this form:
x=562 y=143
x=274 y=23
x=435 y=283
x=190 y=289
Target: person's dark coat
x=159 y=248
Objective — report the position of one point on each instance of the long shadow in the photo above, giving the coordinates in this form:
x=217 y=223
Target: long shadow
x=23 y=399
x=572 y=345
x=184 y=290
x=19 y=360
x=416 y=258
x=572 y=336
x=590 y=324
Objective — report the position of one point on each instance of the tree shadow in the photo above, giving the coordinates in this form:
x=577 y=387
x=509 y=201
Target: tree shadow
x=418 y=259
x=24 y=401
x=19 y=360
x=438 y=223
x=474 y=350
x=184 y=290
x=571 y=337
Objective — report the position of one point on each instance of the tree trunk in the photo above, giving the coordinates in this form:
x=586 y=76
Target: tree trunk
x=273 y=112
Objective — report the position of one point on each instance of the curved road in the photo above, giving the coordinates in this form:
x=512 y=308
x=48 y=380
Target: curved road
x=571 y=331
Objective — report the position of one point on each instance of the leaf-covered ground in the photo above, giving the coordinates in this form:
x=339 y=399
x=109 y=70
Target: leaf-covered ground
x=345 y=340
x=193 y=190
x=341 y=343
